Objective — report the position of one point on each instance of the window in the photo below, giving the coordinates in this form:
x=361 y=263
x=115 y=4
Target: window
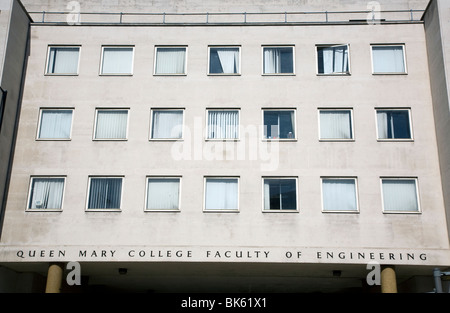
x=223 y=124
x=170 y=61
x=389 y=59
x=117 y=60
x=224 y=60
x=55 y=124
x=400 y=195
x=163 y=194
x=279 y=124
x=336 y=124
x=111 y=124
x=333 y=59
x=63 y=60
x=221 y=194
x=339 y=195
x=394 y=124
x=105 y=193
x=167 y=124
x=280 y=194
x=46 y=193
x=278 y=60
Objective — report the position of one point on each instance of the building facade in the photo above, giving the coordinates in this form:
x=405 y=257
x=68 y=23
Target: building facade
x=230 y=152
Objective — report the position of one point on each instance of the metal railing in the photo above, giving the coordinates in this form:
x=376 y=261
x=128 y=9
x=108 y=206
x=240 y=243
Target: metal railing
x=245 y=18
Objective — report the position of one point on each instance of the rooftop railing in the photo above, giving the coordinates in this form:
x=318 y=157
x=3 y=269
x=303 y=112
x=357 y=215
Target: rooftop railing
x=243 y=18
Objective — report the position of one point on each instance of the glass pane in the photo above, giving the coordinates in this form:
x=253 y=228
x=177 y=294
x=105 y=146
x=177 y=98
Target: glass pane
x=400 y=195
x=46 y=193
x=63 y=60
x=105 y=193
x=280 y=194
x=55 y=124
x=117 y=61
x=167 y=124
x=339 y=195
x=163 y=193
x=278 y=60
x=111 y=124
x=223 y=124
x=221 y=194
x=224 y=60
x=388 y=59
x=335 y=125
x=279 y=124
x=393 y=124
x=170 y=61
x=333 y=60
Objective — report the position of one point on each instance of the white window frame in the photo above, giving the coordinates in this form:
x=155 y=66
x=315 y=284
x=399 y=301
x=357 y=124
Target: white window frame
x=41 y=110
x=32 y=178
x=171 y=74
x=416 y=181
x=279 y=74
x=337 y=139
x=148 y=178
x=349 y=73
x=62 y=47
x=297 y=208
x=394 y=139
x=205 y=178
x=355 y=179
x=229 y=47
x=389 y=45
x=118 y=47
x=294 y=126
x=152 y=111
x=87 y=209
x=110 y=109
x=223 y=139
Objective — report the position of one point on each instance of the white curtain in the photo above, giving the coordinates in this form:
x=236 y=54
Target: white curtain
x=105 y=193
x=111 y=124
x=229 y=60
x=117 y=61
x=46 y=193
x=382 y=120
x=221 y=194
x=170 y=60
x=335 y=59
x=388 y=59
x=400 y=195
x=339 y=195
x=167 y=124
x=335 y=125
x=55 y=124
x=223 y=124
x=163 y=193
x=63 y=61
x=272 y=60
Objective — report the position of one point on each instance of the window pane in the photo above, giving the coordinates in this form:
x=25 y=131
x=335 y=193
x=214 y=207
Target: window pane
x=280 y=194
x=221 y=194
x=105 y=193
x=63 y=60
x=170 y=60
x=117 y=60
x=163 y=193
x=279 y=124
x=335 y=125
x=111 y=124
x=400 y=195
x=339 y=195
x=388 y=59
x=55 y=124
x=223 y=124
x=333 y=60
x=224 y=60
x=167 y=124
x=278 y=60
x=393 y=124
x=46 y=193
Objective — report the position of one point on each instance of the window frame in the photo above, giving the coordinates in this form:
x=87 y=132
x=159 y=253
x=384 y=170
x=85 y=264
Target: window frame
x=349 y=73
x=294 y=127
x=297 y=207
x=152 y=110
x=389 y=45
x=46 y=72
x=32 y=178
x=319 y=110
x=416 y=183
x=408 y=109
x=225 y=47
x=87 y=209
x=41 y=110
x=185 y=47
x=118 y=47
x=237 y=210
x=96 y=121
x=147 y=180
x=223 y=139
x=355 y=179
x=292 y=46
